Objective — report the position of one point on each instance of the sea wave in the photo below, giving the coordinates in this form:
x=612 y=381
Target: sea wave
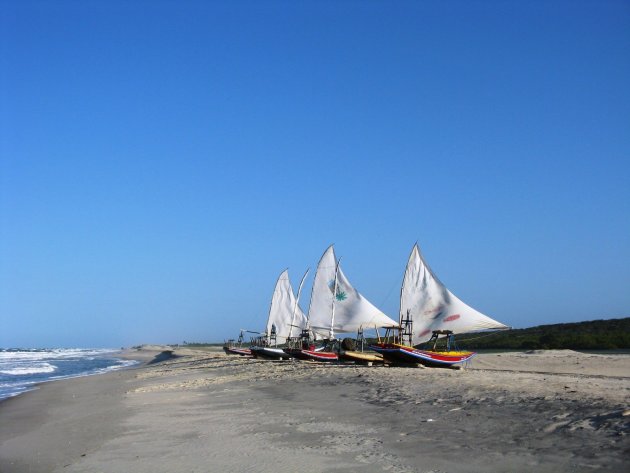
x=31 y=369
x=22 y=369
x=15 y=354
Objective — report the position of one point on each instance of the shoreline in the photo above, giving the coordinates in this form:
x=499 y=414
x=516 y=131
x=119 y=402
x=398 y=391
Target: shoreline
x=140 y=356
x=205 y=411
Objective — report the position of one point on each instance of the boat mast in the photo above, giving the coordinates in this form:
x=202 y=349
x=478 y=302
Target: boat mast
x=332 y=311
x=404 y=320
x=267 y=334
x=310 y=304
x=295 y=306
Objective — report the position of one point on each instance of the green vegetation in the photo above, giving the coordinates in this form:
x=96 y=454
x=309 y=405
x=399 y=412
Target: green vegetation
x=612 y=334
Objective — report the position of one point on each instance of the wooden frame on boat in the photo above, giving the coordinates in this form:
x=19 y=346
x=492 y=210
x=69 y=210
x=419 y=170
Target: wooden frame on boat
x=304 y=348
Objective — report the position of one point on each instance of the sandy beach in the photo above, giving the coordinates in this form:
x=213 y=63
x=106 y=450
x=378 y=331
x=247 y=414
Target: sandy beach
x=204 y=411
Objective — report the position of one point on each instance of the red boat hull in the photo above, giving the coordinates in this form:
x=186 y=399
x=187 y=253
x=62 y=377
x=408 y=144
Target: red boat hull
x=395 y=353
x=237 y=351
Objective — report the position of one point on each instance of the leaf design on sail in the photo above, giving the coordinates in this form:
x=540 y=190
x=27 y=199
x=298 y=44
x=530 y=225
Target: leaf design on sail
x=340 y=295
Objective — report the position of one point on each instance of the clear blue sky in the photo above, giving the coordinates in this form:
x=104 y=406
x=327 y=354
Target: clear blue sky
x=162 y=162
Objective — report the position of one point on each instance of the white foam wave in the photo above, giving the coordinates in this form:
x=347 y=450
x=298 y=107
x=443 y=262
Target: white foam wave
x=31 y=369
x=56 y=353
x=20 y=373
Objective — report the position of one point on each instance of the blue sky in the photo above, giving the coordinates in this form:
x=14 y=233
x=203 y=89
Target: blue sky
x=162 y=162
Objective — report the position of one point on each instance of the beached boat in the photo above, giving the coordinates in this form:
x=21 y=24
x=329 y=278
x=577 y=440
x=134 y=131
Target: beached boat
x=429 y=312
x=235 y=347
x=398 y=353
x=335 y=307
x=285 y=318
x=305 y=348
x=353 y=350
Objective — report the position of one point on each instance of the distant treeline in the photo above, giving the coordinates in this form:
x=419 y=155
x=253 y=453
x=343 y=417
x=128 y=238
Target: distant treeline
x=593 y=335
x=612 y=334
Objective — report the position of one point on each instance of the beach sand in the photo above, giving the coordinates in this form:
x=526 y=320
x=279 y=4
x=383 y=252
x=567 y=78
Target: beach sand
x=547 y=411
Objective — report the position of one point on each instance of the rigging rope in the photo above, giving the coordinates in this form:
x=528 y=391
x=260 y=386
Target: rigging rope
x=475 y=338
x=389 y=293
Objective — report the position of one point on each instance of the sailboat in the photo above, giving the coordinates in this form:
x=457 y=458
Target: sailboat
x=429 y=312
x=235 y=347
x=285 y=318
x=335 y=307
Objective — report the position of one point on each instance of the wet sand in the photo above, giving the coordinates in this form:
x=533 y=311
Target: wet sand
x=552 y=411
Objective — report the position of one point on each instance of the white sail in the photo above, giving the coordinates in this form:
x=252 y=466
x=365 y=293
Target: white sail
x=285 y=313
x=351 y=310
x=431 y=306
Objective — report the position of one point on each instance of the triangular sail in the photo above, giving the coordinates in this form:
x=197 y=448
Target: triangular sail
x=284 y=309
x=351 y=310
x=431 y=306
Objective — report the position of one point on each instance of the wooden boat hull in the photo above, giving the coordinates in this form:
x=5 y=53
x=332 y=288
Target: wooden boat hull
x=270 y=353
x=312 y=355
x=360 y=356
x=237 y=351
x=395 y=353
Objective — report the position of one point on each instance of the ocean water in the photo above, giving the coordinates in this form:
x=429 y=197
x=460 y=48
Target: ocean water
x=22 y=369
